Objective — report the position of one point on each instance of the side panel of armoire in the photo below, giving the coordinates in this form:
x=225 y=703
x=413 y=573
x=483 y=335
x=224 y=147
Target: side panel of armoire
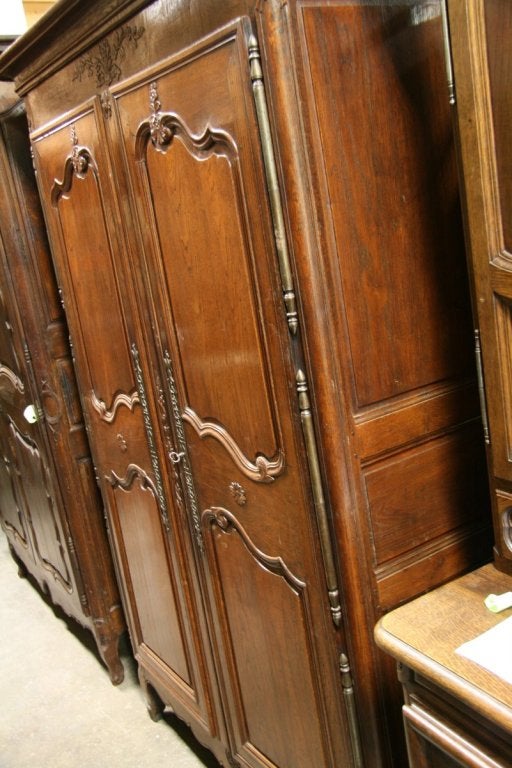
x=48 y=483
x=362 y=120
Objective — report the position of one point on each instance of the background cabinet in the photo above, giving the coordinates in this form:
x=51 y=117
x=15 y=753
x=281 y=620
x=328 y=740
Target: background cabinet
x=482 y=75
x=456 y=713
x=254 y=217
x=50 y=508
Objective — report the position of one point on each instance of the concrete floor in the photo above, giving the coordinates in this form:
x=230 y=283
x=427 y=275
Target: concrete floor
x=58 y=707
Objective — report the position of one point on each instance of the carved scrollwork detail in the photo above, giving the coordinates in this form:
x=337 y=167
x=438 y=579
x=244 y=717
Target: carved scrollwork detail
x=133 y=472
x=52 y=407
x=160 y=128
x=106 y=104
x=228 y=523
x=261 y=470
x=77 y=165
x=79 y=158
x=121 y=399
x=161 y=134
x=103 y=62
x=14 y=380
x=238 y=493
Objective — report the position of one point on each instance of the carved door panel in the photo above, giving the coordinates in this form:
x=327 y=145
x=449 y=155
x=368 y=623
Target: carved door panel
x=480 y=35
x=29 y=510
x=12 y=394
x=93 y=266
x=194 y=155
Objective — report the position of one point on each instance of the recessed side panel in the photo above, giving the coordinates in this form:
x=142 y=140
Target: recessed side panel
x=418 y=504
x=383 y=133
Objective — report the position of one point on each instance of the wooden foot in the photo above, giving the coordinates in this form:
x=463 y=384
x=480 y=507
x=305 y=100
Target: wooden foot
x=153 y=702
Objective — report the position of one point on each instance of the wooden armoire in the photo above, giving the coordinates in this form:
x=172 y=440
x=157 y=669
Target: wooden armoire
x=254 y=216
x=50 y=508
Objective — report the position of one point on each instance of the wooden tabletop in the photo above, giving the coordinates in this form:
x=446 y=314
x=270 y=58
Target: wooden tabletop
x=424 y=634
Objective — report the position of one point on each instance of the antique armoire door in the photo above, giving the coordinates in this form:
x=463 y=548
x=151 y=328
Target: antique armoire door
x=94 y=264
x=192 y=150
x=480 y=41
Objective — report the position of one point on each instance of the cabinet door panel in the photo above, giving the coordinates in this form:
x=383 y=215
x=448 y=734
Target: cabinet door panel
x=30 y=516
x=152 y=585
x=94 y=271
x=192 y=150
x=266 y=621
x=45 y=528
x=12 y=392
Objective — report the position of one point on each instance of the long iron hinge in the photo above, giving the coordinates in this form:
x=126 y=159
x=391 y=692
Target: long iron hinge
x=448 y=54
x=481 y=388
x=350 y=707
x=276 y=207
x=318 y=497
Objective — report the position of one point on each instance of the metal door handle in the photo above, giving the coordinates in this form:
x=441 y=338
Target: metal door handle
x=31 y=414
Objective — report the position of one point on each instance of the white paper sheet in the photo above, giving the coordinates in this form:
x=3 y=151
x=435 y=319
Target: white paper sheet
x=492 y=650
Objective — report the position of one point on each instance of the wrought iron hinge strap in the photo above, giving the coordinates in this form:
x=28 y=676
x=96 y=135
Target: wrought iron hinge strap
x=318 y=497
x=273 y=185
x=448 y=53
x=481 y=388
x=350 y=706
x=141 y=389
x=183 y=451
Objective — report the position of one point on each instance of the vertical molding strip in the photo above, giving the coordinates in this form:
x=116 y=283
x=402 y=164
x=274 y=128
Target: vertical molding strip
x=183 y=451
x=141 y=389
